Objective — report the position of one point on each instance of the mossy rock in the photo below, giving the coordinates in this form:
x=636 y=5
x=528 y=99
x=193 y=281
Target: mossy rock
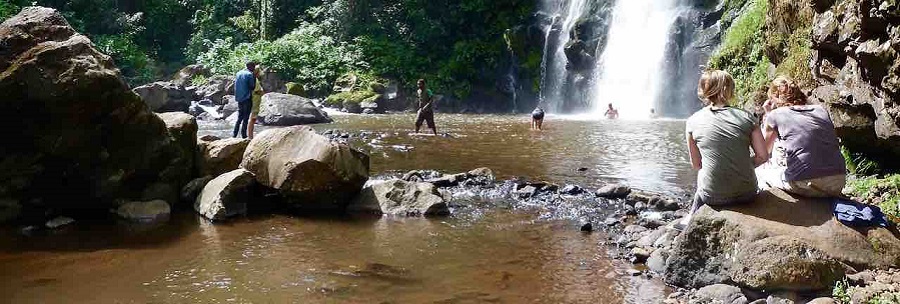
x=339 y=99
x=295 y=89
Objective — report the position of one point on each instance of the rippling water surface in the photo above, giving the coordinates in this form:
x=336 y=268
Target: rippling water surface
x=494 y=254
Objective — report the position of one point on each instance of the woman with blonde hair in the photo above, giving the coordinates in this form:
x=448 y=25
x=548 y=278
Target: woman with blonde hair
x=806 y=151
x=719 y=139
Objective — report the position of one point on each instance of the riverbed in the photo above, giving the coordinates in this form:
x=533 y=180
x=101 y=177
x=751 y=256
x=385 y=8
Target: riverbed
x=493 y=252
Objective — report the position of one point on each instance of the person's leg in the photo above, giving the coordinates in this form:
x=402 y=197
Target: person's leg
x=237 y=123
x=533 y=123
x=419 y=119
x=695 y=205
x=430 y=120
x=245 y=117
x=540 y=124
x=251 y=124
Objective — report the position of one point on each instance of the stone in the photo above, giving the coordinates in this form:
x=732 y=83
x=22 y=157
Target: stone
x=309 y=171
x=571 y=190
x=640 y=255
x=783 y=297
x=279 y=109
x=822 y=301
x=720 y=294
x=59 y=221
x=144 y=211
x=84 y=139
x=186 y=75
x=657 y=260
x=613 y=191
x=587 y=227
x=182 y=129
x=778 y=242
x=401 y=198
x=634 y=272
x=226 y=196
x=193 y=188
x=219 y=156
x=475 y=177
x=164 y=96
x=215 y=89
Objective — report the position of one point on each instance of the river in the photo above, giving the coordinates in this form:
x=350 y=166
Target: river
x=493 y=253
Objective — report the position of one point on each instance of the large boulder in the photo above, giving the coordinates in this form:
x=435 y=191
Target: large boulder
x=186 y=75
x=165 y=96
x=399 y=197
x=777 y=242
x=182 y=129
x=289 y=110
x=215 y=89
x=219 y=156
x=227 y=195
x=271 y=81
x=310 y=171
x=82 y=138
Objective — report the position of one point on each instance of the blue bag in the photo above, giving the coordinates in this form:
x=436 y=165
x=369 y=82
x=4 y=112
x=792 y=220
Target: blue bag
x=854 y=214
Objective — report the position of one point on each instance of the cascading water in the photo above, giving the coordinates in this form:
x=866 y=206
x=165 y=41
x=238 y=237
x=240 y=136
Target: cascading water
x=636 y=54
x=629 y=73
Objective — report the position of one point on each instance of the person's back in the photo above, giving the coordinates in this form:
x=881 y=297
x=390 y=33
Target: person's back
x=723 y=137
x=808 y=137
x=244 y=84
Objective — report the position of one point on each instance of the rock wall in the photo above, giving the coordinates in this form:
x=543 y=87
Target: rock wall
x=856 y=65
x=77 y=137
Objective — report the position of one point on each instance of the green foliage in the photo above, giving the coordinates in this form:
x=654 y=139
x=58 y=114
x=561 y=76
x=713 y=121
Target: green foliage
x=307 y=55
x=859 y=164
x=7 y=9
x=841 y=292
x=135 y=65
x=742 y=55
x=199 y=80
x=294 y=88
x=884 y=192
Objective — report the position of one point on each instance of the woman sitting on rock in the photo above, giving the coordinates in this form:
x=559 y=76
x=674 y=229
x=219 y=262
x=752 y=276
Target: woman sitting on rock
x=806 y=154
x=719 y=139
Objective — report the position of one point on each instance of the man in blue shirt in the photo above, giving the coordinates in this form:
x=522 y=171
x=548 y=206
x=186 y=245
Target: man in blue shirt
x=244 y=84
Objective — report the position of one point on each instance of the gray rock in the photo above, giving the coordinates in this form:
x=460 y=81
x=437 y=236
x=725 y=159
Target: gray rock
x=59 y=221
x=227 y=195
x=657 y=260
x=144 y=211
x=187 y=74
x=719 y=294
x=613 y=191
x=289 y=110
x=640 y=255
x=398 y=197
x=309 y=171
x=822 y=301
x=220 y=156
x=165 y=96
x=190 y=191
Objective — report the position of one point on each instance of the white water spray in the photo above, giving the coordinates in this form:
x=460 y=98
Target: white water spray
x=628 y=74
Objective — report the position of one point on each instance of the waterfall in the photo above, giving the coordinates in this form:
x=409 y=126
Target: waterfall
x=563 y=16
x=629 y=73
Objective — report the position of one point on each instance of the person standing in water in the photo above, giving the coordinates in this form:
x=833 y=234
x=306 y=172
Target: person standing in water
x=425 y=107
x=257 y=101
x=537 y=119
x=653 y=114
x=611 y=113
x=244 y=84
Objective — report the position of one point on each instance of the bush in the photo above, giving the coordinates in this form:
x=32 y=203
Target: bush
x=7 y=10
x=295 y=89
x=883 y=192
x=742 y=55
x=136 y=66
x=307 y=56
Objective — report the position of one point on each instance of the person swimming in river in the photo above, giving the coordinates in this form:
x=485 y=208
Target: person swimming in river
x=537 y=119
x=611 y=113
x=425 y=107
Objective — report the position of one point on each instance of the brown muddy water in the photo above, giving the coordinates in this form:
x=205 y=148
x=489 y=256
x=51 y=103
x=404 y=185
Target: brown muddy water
x=489 y=254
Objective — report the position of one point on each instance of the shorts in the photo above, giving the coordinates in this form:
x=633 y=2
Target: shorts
x=254 y=109
x=828 y=186
x=427 y=117
x=537 y=115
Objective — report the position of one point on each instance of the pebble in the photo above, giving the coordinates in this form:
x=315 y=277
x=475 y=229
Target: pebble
x=587 y=227
x=59 y=222
x=634 y=272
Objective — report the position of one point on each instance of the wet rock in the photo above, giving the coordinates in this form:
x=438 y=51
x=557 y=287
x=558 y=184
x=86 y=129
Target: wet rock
x=662 y=204
x=777 y=242
x=227 y=195
x=719 y=293
x=161 y=191
x=783 y=297
x=656 y=262
x=639 y=255
x=219 y=156
x=526 y=192
x=613 y=191
x=571 y=190
x=279 y=109
x=165 y=96
x=476 y=177
x=308 y=170
x=587 y=227
x=398 y=197
x=634 y=272
x=85 y=140
x=144 y=211
x=182 y=129
x=633 y=229
x=421 y=175
x=611 y=221
x=59 y=222
x=193 y=188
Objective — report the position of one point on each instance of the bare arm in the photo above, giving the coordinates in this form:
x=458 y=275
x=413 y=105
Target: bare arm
x=758 y=143
x=694 y=152
x=771 y=134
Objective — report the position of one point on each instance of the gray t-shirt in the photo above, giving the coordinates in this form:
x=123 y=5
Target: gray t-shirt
x=810 y=144
x=723 y=136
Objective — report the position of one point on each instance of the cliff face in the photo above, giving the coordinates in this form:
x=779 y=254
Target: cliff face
x=855 y=62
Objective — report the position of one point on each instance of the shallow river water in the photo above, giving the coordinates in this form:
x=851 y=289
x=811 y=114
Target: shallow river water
x=495 y=254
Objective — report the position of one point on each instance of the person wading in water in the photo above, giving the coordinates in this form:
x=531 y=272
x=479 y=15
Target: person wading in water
x=425 y=107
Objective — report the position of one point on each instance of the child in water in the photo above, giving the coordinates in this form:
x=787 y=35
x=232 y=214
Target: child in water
x=537 y=119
